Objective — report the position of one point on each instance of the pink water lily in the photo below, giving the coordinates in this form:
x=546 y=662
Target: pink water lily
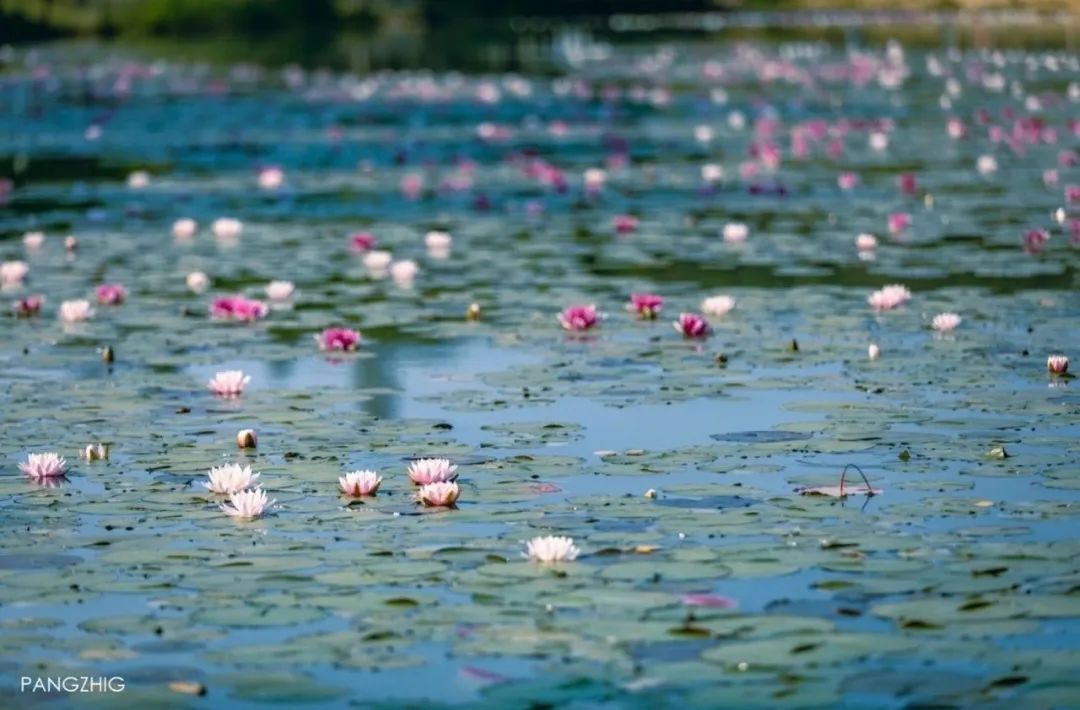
x=238 y=308
x=360 y=483
x=362 y=241
x=185 y=228
x=646 y=305
x=12 y=273
x=247 y=505
x=889 y=297
x=708 y=601
x=229 y=383
x=197 y=281
x=1035 y=240
x=1057 y=364
x=735 y=232
x=29 y=306
x=271 y=177
x=945 y=322
x=866 y=242
x=110 y=294
x=76 y=311
x=899 y=222
x=624 y=223
x=579 y=318
x=33 y=240
x=908 y=183
x=338 y=339
x=425 y=471
x=439 y=495
x=47 y=465
x=692 y=325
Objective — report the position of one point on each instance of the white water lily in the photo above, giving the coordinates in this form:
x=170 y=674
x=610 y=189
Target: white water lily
x=552 y=548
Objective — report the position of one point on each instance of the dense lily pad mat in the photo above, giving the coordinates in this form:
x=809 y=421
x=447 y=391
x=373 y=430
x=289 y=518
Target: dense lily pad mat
x=706 y=579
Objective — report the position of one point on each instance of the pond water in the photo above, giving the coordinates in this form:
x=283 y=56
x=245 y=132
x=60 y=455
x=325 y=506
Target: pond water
x=683 y=169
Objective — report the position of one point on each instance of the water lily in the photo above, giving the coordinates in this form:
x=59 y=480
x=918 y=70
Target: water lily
x=110 y=294
x=551 y=548
x=362 y=241
x=866 y=242
x=280 y=290
x=360 y=483
x=96 y=452
x=907 y=183
x=230 y=478
x=578 y=318
x=898 y=222
x=229 y=383
x=1057 y=364
x=404 y=272
x=247 y=505
x=873 y=351
x=735 y=232
x=945 y=322
x=717 y=305
x=33 y=240
x=138 y=179
x=238 y=308
x=692 y=325
x=986 y=164
x=712 y=173
x=271 y=177
x=595 y=179
x=377 y=260
x=1035 y=239
x=71 y=243
x=338 y=339
x=624 y=223
x=76 y=311
x=425 y=471
x=889 y=297
x=12 y=273
x=29 y=306
x=708 y=601
x=646 y=305
x=438 y=495
x=438 y=244
x=226 y=227
x=197 y=281
x=247 y=439
x=46 y=465
x=847 y=180
x=185 y=228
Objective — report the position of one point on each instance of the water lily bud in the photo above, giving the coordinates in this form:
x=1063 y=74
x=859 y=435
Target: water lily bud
x=107 y=354
x=96 y=452
x=71 y=243
x=874 y=352
x=247 y=439
x=473 y=312
x=651 y=493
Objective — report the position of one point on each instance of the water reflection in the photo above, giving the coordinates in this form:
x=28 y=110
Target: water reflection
x=389 y=368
